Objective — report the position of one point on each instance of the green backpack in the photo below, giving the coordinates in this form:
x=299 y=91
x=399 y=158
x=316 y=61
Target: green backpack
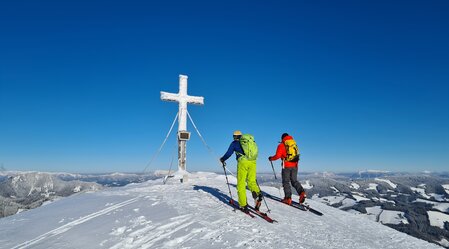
x=249 y=147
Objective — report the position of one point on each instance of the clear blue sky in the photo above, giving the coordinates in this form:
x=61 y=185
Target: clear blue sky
x=359 y=84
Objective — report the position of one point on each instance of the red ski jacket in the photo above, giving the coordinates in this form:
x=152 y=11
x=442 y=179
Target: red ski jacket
x=281 y=152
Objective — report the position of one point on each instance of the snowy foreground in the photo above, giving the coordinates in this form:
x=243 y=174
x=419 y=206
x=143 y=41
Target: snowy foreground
x=189 y=215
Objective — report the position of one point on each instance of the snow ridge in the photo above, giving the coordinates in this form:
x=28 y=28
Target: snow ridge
x=195 y=214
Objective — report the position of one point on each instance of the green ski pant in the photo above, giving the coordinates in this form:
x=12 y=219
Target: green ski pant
x=246 y=174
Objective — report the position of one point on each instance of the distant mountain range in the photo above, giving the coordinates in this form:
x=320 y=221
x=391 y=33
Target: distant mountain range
x=20 y=191
x=416 y=204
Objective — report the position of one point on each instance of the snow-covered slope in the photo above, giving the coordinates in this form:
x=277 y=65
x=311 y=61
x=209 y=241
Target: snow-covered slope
x=189 y=215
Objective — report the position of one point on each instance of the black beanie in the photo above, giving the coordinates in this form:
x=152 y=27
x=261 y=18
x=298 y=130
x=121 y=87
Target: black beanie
x=284 y=135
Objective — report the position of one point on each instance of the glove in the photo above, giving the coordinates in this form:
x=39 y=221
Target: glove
x=269 y=158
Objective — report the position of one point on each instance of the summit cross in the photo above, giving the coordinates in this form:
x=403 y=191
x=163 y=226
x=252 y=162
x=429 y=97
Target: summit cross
x=183 y=99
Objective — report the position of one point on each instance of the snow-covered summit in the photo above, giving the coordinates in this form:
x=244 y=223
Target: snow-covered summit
x=193 y=214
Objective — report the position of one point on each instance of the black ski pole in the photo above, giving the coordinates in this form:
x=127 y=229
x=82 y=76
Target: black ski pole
x=275 y=176
x=230 y=194
x=274 y=172
x=263 y=197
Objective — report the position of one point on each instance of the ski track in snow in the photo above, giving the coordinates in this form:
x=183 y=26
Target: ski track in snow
x=196 y=214
x=147 y=236
x=71 y=224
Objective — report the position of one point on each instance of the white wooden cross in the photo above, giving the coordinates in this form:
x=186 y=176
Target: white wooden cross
x=183 y=99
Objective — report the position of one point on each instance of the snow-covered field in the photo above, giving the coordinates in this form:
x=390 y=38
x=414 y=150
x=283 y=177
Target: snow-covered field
x=373 y=212
x=347 y=202
x=393 y=185
x=382 y=200
x=194 y=214
x=355 y=185
x=392 y=217
x=420 y=191
x=443 y=207
x=307 y=185
x=437 y=218
x=335 y=189
x=359 y=196
x=372 y=186
x=329 y=200
x=446 y=187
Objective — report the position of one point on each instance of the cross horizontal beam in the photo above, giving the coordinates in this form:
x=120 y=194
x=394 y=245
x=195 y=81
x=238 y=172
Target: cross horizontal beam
x=176 y=97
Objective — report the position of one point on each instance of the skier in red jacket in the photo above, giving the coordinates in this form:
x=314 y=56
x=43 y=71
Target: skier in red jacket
x=289 y=168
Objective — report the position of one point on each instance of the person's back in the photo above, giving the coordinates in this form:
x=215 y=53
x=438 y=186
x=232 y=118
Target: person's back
x=249 y=147
x=291 y=149
x=246 y=167
x=281 y=152
x=289 y=168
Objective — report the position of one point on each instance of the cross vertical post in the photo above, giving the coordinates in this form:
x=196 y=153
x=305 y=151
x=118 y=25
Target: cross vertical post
x=183 y=99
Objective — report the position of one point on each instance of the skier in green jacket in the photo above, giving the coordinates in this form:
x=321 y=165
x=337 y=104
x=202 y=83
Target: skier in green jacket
x=246 y=172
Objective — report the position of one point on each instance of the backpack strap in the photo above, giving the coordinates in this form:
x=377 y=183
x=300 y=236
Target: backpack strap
x=239 y=153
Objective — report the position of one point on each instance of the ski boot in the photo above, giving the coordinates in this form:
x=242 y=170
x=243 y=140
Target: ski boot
x=287 y=201
x=258 y=202
x=245 y=209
